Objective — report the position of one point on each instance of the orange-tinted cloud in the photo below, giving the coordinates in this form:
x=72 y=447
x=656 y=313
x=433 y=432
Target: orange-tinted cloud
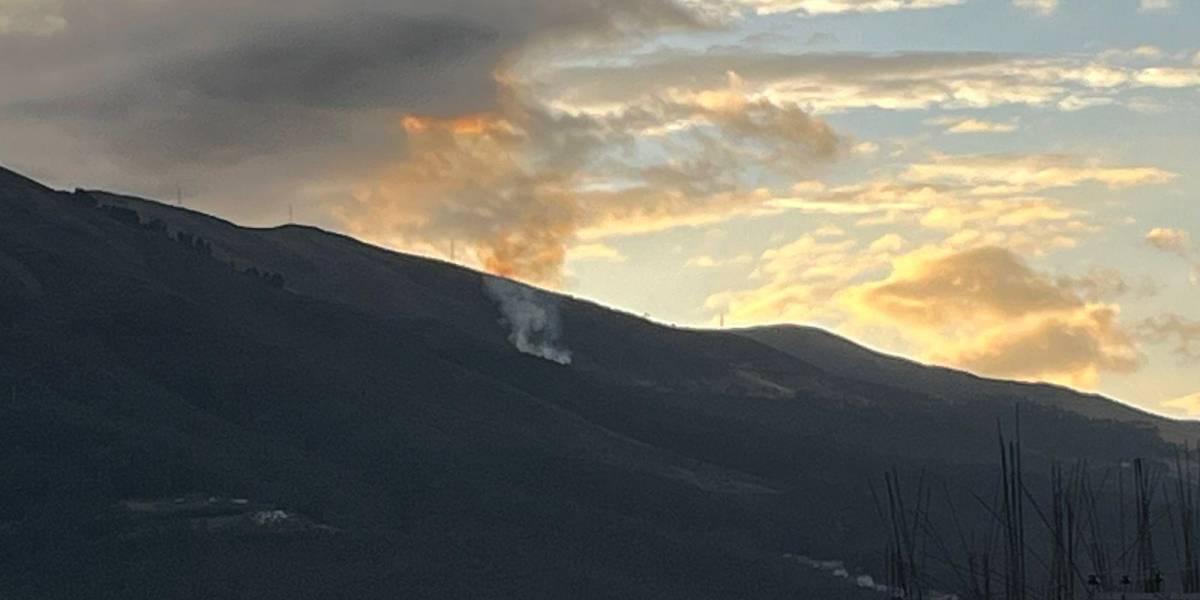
x=986 y=283
x=520 y=185
x=595 y=252
x=1176 y=241
x=1000 y=199
x=987 y=310
x=961 y=125
x=486 y=181
x=1006 y=174
x=799 y=280
x=1070 y=347
x=1188 y=406
x=977 y=307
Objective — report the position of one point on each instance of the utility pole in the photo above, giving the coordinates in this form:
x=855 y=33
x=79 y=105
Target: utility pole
x=291 y=214
x=179 y=195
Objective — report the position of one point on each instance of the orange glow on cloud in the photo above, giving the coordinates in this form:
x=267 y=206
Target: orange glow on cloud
x=474 y=124
x=519 y=185
x=478 y=180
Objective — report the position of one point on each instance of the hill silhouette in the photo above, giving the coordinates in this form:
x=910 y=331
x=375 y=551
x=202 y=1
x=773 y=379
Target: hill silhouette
x=151 y=355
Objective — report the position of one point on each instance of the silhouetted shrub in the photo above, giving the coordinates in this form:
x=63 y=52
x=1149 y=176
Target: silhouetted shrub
x=82 y=197
x=196 y=243
x=122 y=214
x=203 y=246
x=274 y=280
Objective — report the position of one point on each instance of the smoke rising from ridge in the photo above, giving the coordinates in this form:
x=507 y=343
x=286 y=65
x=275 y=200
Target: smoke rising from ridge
x=532 y=318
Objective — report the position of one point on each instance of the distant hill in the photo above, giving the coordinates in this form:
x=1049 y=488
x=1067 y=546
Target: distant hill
x=150 y=354
x=843 y=357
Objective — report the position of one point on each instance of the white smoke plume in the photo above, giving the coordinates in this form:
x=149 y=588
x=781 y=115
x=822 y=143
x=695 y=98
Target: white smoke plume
x=532 y=317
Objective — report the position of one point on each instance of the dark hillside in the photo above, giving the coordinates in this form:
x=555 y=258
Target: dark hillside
x=386 y=439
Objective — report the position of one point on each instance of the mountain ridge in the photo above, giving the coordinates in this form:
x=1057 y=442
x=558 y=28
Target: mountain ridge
x=901 y=368
x=765 y=335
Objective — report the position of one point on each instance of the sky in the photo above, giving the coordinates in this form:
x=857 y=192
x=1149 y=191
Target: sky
x=1003 y=186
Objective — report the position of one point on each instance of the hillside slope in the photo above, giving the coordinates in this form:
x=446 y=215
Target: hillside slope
x=152 y=353
x=344 y=270
x=840 y=356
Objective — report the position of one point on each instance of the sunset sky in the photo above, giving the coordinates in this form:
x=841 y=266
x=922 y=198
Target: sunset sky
x=1005 y=186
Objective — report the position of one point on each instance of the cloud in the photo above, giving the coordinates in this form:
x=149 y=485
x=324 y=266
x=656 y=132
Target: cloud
x=977 y=306
x=829 y=230
x=997 y=198
x=1135 y=54
x=820 y=82
x=708 y=262
x=1183 y=333
x=1175 y=241
x=172 y=82
x=299 y=101
x=824 y=82
x=797 y=282
x=970 y=125
x=595 y=253
x=1168 y=77
x=975 y=213
x=412 y=120
x=1071 y=348
x=31 y=17
x=970 y=300
x=824 y=7
x=1188 y=406
x=482 y=180
x=523 y=130
x=864 y=148
x=987 y=310
x=1041 y=7
x=1152 y=5
x=997 y=213
x=821 y=38
x=985 y=283
x=522 y=183
x=1102 y=284
x=882 y=195
x=1008 y=173
x=1072 y=103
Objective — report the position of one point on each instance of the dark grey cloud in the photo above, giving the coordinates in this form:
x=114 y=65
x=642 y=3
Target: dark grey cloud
x=285 y=88
x=142 y=87
x=409 y=122
x=436 y=64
